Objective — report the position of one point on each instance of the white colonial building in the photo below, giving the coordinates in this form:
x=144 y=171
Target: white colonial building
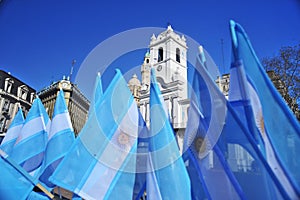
x=168 y=55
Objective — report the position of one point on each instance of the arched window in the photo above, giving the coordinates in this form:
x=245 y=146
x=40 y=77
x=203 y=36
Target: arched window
x=178 y=55
x=160 y=54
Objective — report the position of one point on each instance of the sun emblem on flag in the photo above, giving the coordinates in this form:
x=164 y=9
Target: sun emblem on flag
x=262 y=125
x=123 y=138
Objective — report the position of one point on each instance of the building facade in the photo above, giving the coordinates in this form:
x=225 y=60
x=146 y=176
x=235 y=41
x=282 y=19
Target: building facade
x=167 y=56
x=77 y=103
x=14 y=93
x=223 y=84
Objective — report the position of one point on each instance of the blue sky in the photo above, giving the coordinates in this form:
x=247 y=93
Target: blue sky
x=39 y=39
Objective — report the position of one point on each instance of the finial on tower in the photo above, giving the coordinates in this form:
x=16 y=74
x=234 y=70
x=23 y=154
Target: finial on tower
x=170 y=28
x=183 y=38
x=153 y=37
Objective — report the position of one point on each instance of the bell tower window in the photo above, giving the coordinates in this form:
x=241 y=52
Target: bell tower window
x=160 y=54
x=178 y=55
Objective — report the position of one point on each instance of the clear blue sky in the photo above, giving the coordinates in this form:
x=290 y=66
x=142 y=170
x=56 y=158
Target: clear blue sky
x=39 y=39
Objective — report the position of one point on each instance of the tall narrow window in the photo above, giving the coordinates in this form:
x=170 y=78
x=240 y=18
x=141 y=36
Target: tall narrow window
x=31 y=97
x=5 y=107
x=2 y=125
x=22 y=92
x=160 y=54
x=178 y=55
x=8 y=85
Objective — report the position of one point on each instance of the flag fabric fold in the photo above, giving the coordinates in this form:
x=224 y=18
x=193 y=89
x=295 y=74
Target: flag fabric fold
x=13 y=132
x=60 y=139
x=278 y=126
x=223 y=159
x=30 y=145
x=105 y=148
x=141 y=160
x=13 y=184
x=167 y=177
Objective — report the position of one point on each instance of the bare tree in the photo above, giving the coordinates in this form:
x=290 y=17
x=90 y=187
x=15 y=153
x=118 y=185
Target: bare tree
x=286 y=76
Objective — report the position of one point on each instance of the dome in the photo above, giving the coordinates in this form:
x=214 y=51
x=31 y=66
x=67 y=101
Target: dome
x=134 y=81
x=147 y=54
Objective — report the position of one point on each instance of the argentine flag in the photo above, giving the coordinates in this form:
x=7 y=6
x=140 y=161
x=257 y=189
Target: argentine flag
x=60 y=139
x=13 y=132
x=98 y=92
x=30 y=145
x=102 y=161
x=278 y=127
x=223 y=159
x=167 y=177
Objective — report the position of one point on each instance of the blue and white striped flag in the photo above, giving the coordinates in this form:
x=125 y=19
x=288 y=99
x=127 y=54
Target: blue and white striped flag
x=60 y=139
x=30 y=145
x=98 y=93
x=102 y=162
x=13 y=132
x=223 y=159
x=167 y=176
x=278 y=127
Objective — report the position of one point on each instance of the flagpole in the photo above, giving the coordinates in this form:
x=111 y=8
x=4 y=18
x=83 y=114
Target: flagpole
x=51 y=196
x=25 y=174
x=71 y=72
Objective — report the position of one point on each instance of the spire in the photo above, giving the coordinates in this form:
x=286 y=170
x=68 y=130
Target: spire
x=169 y=29
x=153 y=37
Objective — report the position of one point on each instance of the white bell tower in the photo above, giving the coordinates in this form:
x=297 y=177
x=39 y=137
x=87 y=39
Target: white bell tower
x=168 y=54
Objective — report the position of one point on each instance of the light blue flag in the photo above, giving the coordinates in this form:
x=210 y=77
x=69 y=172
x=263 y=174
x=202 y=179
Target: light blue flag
x=37 y=196
x=167 y=177
x=98 y=93
x=141 y=160
x=223 y=159
x=30 y=145
x=14 y=184
x=13 y=132
x=60 y=139
x=102 y=161
x=244 y=99
x=279 y=127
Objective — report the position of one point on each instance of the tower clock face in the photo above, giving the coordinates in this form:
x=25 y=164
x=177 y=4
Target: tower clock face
x=64 y=84
x=159 y=68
